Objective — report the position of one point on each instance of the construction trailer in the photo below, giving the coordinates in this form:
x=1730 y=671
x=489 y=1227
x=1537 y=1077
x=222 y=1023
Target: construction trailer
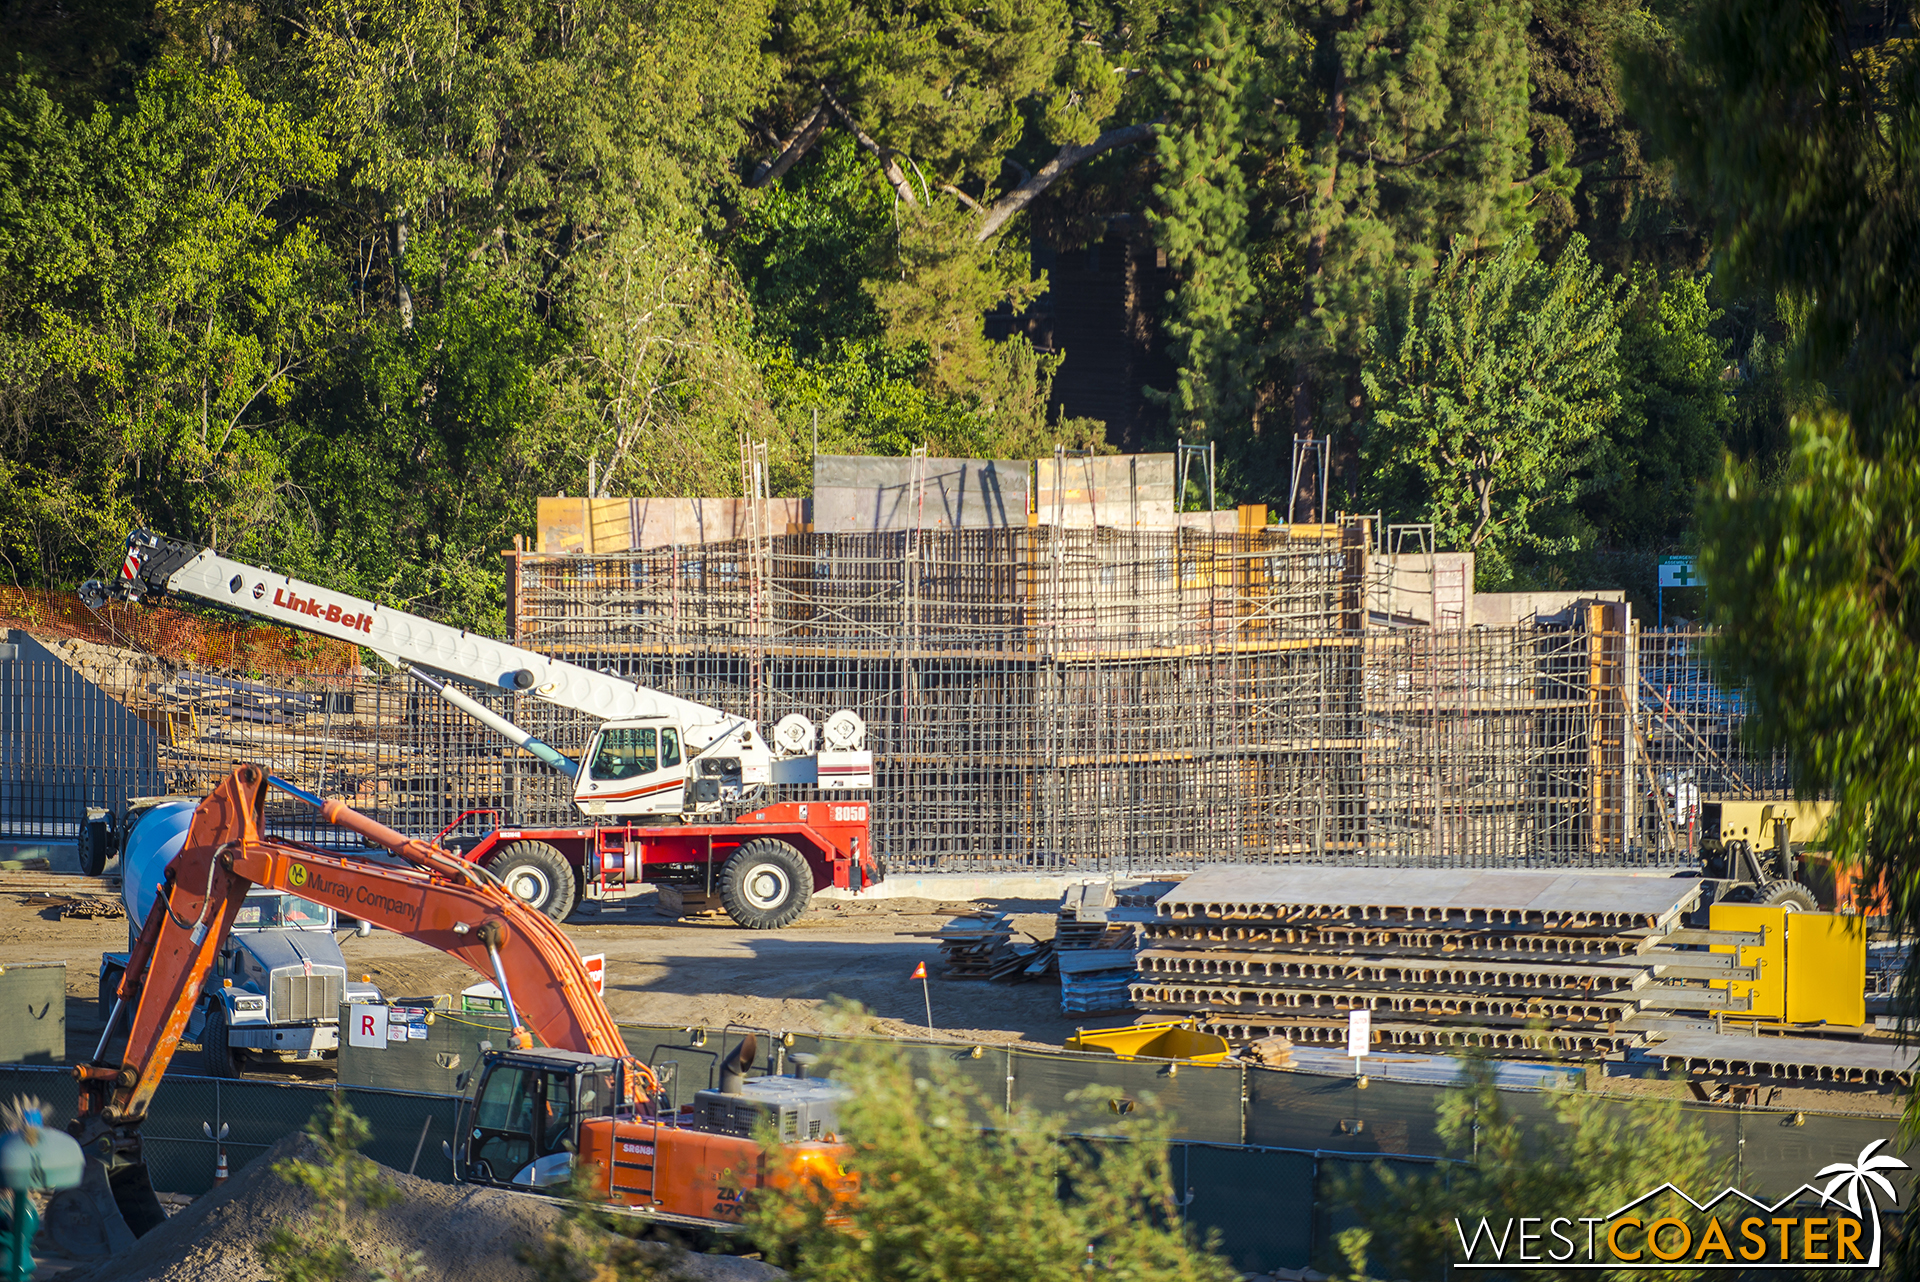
x=1058 y=669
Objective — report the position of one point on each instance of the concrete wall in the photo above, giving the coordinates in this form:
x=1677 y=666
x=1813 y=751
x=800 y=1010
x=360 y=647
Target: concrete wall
x=1411 y=586
x=1117 y=491
x=1504 y=609
x=854 y=495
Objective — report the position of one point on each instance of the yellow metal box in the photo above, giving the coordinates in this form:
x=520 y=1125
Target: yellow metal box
x=1768 y=994
x=1826 y=969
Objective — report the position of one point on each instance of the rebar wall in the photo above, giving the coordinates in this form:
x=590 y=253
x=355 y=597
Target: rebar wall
x=1059 y=698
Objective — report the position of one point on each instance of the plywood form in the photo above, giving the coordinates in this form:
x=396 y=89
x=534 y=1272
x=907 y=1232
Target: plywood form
x=583 y=526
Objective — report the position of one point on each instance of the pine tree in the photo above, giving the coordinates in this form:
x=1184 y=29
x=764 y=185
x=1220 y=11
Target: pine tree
x=1200 y=219
x=1412 y=119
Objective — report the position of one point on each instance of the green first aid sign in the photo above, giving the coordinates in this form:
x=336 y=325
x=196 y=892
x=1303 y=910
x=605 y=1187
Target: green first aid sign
x=1679 y=572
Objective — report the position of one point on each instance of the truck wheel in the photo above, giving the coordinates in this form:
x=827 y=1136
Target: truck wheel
x=766 y=884
x=538 y=874
x=109 y=983
x=1790 y=895
x=216 y=1051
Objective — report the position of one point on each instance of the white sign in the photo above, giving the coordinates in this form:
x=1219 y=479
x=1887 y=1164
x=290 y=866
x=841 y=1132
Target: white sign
x=1679 y=572
x=367 y=1027
x=1359 y=1032
x=597 y=971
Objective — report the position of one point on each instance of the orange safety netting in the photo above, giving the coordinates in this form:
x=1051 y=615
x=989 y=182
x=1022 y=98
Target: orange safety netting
x=204 y=641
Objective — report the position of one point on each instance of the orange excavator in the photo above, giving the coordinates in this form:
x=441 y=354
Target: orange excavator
x=534 y=1116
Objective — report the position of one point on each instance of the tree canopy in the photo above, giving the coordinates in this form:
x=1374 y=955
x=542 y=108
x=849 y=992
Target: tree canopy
x=345 y=289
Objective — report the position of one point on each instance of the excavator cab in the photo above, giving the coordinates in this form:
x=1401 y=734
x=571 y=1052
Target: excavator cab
x=520 y=1128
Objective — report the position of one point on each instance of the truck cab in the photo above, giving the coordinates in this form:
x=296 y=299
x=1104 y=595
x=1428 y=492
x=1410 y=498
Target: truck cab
x=275 y=988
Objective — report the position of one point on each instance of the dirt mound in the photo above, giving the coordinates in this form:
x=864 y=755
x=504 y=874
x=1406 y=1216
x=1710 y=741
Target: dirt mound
x=472 y=1234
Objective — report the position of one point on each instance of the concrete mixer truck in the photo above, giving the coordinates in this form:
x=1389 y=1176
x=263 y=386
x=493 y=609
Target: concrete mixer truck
x=274 y=991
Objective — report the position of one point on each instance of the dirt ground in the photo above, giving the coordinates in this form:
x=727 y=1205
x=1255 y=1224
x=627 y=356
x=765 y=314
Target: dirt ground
x=707 y=972
x=688 y=972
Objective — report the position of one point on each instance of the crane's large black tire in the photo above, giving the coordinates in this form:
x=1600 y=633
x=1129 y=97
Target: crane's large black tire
x=538 y=874
x=216 y=1052
x=1790 y=895
x=766 y=884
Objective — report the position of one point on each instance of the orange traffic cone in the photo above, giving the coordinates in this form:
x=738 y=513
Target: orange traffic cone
x=220 y=1169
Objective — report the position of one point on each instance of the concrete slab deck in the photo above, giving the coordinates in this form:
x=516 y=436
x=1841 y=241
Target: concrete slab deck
x=1492 y=897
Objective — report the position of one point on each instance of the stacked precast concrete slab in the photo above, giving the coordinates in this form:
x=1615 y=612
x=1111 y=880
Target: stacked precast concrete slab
x=1573 y=965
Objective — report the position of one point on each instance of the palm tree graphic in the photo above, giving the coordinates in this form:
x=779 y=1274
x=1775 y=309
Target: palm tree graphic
x=1862 y=1176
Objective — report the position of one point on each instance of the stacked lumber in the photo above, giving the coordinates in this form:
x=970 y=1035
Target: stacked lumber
x=972 y=946
x=1096 y=980
x=1096 y=935
x=981 y=946
x=1090 y=918
x=1516 y=963
x=1269 y=1052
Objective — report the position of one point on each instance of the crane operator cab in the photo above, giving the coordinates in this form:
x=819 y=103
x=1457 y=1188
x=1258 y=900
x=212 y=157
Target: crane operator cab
x=645 y=767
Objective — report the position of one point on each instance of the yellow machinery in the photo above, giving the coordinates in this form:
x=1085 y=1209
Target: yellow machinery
x=1813 y=966
x=1174 y=1040
x=1749 y=848
x=1753 y=821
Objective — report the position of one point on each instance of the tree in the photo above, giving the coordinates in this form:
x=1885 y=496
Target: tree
x=158 y=316
x=1589 y=162
x=345 y=1186
x=1412 y=117
x=1200 y=218
x=1798 y=137
x=1675 y=412
x=1033 y=1206
x=1490 y=392
x=1594 y=1157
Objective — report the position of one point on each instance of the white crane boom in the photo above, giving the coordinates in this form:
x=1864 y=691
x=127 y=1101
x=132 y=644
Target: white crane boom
x=156 y=565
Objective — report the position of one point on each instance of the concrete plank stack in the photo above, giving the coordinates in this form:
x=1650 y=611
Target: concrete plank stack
x=1517 y=963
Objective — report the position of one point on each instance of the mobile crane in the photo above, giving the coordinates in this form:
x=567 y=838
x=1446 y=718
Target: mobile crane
x=533 y=1113
x=661 y=784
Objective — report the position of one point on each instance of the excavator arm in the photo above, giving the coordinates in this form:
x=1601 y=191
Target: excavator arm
x=432 y=896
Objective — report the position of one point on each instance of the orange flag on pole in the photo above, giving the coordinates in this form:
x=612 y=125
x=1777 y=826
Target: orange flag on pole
x=919 y=972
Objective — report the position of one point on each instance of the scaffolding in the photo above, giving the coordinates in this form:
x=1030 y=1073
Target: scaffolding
x=1059 y=697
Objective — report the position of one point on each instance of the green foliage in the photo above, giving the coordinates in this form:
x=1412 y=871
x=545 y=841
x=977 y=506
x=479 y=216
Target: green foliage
x=939 y=1199
x=803 y=247
x=344 y=289
x=1591 y=1159
x=1675 y=412
x=943 y=285
x=1413 y=120
x=1201 y=222
x=1490 y=392
x=1802 y=143
x=1804 y=150
x=157 y=312
x=344 y=1186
